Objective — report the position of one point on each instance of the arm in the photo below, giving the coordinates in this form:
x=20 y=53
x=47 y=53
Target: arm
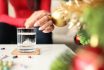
x=18 y=22
x=45 y=5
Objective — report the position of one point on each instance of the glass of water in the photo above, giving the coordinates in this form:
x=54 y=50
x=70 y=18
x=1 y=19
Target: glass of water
x=26 y=39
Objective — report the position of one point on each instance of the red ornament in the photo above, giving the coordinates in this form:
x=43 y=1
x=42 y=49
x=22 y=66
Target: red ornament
x=89 y=58
x=77 y=40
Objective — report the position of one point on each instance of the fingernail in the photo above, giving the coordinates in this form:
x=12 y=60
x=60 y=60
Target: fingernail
x=45 y=31
x=40 y=28
x=27 y=26
x=36 y=24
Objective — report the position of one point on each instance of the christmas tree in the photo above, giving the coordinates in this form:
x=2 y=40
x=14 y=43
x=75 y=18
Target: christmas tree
x=90 y=56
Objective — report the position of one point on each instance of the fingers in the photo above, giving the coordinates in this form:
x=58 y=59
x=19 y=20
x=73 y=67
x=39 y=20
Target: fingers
x=42 y=21
x=47 y=24
x=35 y=17
x=49 y=29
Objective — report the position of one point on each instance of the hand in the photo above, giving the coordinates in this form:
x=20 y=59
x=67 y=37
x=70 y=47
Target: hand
x=41 y=19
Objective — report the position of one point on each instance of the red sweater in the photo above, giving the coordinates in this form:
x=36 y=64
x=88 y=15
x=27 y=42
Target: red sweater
x=21 y=9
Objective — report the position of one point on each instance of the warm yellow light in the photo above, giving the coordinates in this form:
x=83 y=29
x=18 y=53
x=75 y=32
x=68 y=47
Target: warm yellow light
x=94 y=40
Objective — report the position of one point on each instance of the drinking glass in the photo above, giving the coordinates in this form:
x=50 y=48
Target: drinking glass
x=26 y=39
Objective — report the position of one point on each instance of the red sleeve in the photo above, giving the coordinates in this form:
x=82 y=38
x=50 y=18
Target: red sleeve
x=18 y=22
x=45 y=5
